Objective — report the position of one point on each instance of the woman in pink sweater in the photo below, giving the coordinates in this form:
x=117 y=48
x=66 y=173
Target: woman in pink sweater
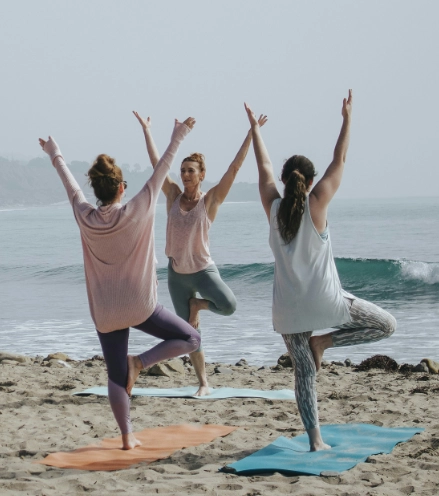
x=191 y=212
x=120 y=274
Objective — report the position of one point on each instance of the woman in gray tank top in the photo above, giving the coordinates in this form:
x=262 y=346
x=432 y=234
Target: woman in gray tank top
x=190 y=215
x=307 y=294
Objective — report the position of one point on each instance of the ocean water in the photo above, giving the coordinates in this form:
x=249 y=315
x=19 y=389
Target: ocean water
x=387 y=251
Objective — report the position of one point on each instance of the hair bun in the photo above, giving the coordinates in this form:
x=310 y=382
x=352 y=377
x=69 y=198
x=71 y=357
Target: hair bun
x=104 y=176
x=196 y=157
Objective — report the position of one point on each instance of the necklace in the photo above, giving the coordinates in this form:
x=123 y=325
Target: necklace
x=190 y=199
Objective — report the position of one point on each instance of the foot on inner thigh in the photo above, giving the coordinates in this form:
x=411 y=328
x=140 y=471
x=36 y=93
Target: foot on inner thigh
x=194 y=315
x=134 y=368
x=129 y=441
x=318 y=345
x=203 y=391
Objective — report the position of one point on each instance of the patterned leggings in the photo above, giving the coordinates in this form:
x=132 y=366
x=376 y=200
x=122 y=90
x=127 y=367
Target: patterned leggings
x=368 y=323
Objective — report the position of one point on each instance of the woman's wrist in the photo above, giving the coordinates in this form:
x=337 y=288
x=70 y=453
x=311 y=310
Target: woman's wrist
x=52 y=149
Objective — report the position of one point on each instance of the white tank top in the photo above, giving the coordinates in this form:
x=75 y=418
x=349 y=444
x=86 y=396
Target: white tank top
x=307 y=294
x=187 y=240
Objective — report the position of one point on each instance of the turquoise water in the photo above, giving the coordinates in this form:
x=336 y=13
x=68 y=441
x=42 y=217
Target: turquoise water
x=387 y=251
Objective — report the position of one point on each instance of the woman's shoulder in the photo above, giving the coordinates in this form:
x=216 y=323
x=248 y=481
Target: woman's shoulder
x=176 y=200
x=274 y=207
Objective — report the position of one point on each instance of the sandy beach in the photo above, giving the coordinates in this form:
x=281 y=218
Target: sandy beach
x=39 y=415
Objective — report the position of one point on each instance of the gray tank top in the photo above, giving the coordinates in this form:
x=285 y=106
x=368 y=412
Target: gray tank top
x=307 y=294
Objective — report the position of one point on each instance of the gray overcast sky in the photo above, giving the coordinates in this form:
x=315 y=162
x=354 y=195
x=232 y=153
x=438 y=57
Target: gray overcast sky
x=76 y=69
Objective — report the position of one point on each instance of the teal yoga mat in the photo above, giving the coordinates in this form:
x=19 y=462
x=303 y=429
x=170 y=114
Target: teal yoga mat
x=189 y=391
x=350 y=444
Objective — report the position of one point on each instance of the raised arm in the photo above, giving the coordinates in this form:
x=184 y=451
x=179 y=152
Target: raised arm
x=325 y=189
x=74 y=192
x=170 y=188
x=155 y=182
x=267 y=183
x=216 y=195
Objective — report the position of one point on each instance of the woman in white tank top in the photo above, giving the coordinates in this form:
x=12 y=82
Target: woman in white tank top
x=190 y=215
x=307 y=294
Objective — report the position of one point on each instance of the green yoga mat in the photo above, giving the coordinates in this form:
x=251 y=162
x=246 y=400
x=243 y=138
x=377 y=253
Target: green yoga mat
x=189 y=391
x=350 y=444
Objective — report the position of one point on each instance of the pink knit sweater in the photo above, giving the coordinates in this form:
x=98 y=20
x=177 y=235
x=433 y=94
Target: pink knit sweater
x=118 y=244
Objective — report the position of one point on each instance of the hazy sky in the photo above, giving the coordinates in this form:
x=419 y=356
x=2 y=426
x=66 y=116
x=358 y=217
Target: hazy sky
x=76 y=69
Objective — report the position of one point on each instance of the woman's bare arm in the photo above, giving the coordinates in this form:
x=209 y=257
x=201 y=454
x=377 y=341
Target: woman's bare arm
x=325 y=189
x=170 y=188
x=216 y=195
x=267 y=183
x=155 y=182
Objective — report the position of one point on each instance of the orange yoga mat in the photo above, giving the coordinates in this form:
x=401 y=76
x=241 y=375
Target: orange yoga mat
x=157 y=443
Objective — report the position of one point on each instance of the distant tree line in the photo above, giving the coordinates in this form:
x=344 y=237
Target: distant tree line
x=37 y=183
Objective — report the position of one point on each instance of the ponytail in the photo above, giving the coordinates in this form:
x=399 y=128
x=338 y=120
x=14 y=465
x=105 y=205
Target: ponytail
x=297 y=175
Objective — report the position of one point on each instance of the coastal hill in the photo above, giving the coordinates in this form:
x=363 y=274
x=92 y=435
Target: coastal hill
x=37 y=183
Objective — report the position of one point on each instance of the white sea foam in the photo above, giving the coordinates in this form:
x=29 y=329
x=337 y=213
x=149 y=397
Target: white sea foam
x=420 y=271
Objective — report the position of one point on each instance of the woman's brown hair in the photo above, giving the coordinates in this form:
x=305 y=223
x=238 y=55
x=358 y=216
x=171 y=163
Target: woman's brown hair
x=297 y=175
x=104 y=176
x=196 y=157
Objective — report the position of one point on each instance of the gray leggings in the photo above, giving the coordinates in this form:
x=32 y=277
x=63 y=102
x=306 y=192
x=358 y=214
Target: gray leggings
x=208 y=283
x=368 y=323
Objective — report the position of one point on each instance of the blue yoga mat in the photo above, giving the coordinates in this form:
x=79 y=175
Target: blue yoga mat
x=350 y=444
x=189 y=391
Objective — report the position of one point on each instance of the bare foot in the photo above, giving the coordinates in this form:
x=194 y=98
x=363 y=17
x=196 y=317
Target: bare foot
x=199 y=364
x=203 y=391
x=194 y=315
x=320 y=447
x=317 y=351
x=129 y=441
x=318 y=345
x=134 y=368
x=315 y=440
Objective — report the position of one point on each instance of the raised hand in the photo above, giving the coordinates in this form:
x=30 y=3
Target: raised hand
x=145 y=123
x=251 y=115
x=347 y=106
x=189 y=122
x=262 y=120
x=50 y=147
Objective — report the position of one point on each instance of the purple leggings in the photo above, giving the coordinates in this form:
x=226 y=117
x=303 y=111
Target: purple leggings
x=178 y=337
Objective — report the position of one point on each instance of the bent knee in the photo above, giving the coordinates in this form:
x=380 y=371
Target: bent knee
x=391 y=326
x=229 y=307
x=229 y=310
x=195 y=341
x=394 y=324
x=225 y=306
